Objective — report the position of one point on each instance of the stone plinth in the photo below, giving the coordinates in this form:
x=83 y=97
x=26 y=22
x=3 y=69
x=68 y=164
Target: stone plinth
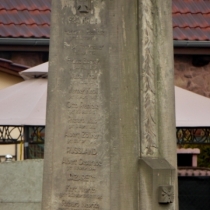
x=21 y=185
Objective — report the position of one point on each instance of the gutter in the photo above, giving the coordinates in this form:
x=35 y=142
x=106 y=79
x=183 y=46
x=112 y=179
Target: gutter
x=186 y=43
x=24 y=41
x=45 y=42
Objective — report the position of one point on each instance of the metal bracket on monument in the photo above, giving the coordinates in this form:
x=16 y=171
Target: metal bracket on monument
x=160 y=178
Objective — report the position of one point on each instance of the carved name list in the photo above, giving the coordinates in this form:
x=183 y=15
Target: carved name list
x=84 y=157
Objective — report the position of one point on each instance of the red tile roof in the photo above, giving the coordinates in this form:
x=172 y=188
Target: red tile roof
x=11 y=68
x=191 y=20
x=25 y=18
x=31 y=19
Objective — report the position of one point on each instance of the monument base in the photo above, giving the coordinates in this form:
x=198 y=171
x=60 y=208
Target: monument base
x=21 y=185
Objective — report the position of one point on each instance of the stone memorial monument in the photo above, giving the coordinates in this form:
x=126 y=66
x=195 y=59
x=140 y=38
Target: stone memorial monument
x=110 y=130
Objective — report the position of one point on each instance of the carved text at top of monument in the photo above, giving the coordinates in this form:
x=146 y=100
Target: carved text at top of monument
x=92 y=41
x=82 y=11
x=85 y=32
x=78 y=6
x=81 y=20
x=82 y=49
x=83 y=64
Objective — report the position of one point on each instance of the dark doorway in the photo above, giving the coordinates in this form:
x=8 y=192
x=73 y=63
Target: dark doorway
x=194 y=193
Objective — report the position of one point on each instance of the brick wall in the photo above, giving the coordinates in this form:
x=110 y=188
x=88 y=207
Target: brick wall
x=28 y=58
x=187 y=76
x=25 y=58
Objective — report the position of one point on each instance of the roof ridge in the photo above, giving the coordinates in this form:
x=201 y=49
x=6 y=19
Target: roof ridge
x=176 y=26
x=20 y=24
x=189 y=0
x=184 y=13
x=25 y=18
x=44 y=10
x=11 y=67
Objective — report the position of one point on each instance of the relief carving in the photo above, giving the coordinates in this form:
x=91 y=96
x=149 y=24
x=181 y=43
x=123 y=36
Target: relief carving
x=148 y=74
x=83 y=6
x=166 y=194
x=68 y=4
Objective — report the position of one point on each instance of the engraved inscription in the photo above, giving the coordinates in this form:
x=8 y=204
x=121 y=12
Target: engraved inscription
x=81 y=192
x=81 y=106
x=81 y=20
x=74 y=162
x=85 y=49
x=81 y=178
x=83 y=132
x=66 y=203
x=83 y=64
x=81 y=151
x=91 y=32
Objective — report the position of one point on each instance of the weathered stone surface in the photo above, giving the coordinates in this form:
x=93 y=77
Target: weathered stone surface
x=20 y=206
x=21 y=185
x=157 y=120
x=110 y=102
x=92 y=148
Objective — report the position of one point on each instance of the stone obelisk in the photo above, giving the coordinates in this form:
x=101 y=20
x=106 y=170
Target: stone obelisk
x=110 y=130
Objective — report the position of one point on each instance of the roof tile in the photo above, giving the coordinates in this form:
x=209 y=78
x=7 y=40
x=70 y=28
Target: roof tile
x=191 y=20
x=25 y=4
x=25 y=18
x=12 y=68
x=25 y=31
x=31 y=19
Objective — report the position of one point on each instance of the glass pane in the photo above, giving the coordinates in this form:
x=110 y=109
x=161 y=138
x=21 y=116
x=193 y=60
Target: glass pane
x=36 y=151
x=193 y=135
x=36 y=134
x=36 y=138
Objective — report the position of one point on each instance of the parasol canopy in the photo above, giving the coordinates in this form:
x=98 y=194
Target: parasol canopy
x=192 y=110
x=25 y=103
